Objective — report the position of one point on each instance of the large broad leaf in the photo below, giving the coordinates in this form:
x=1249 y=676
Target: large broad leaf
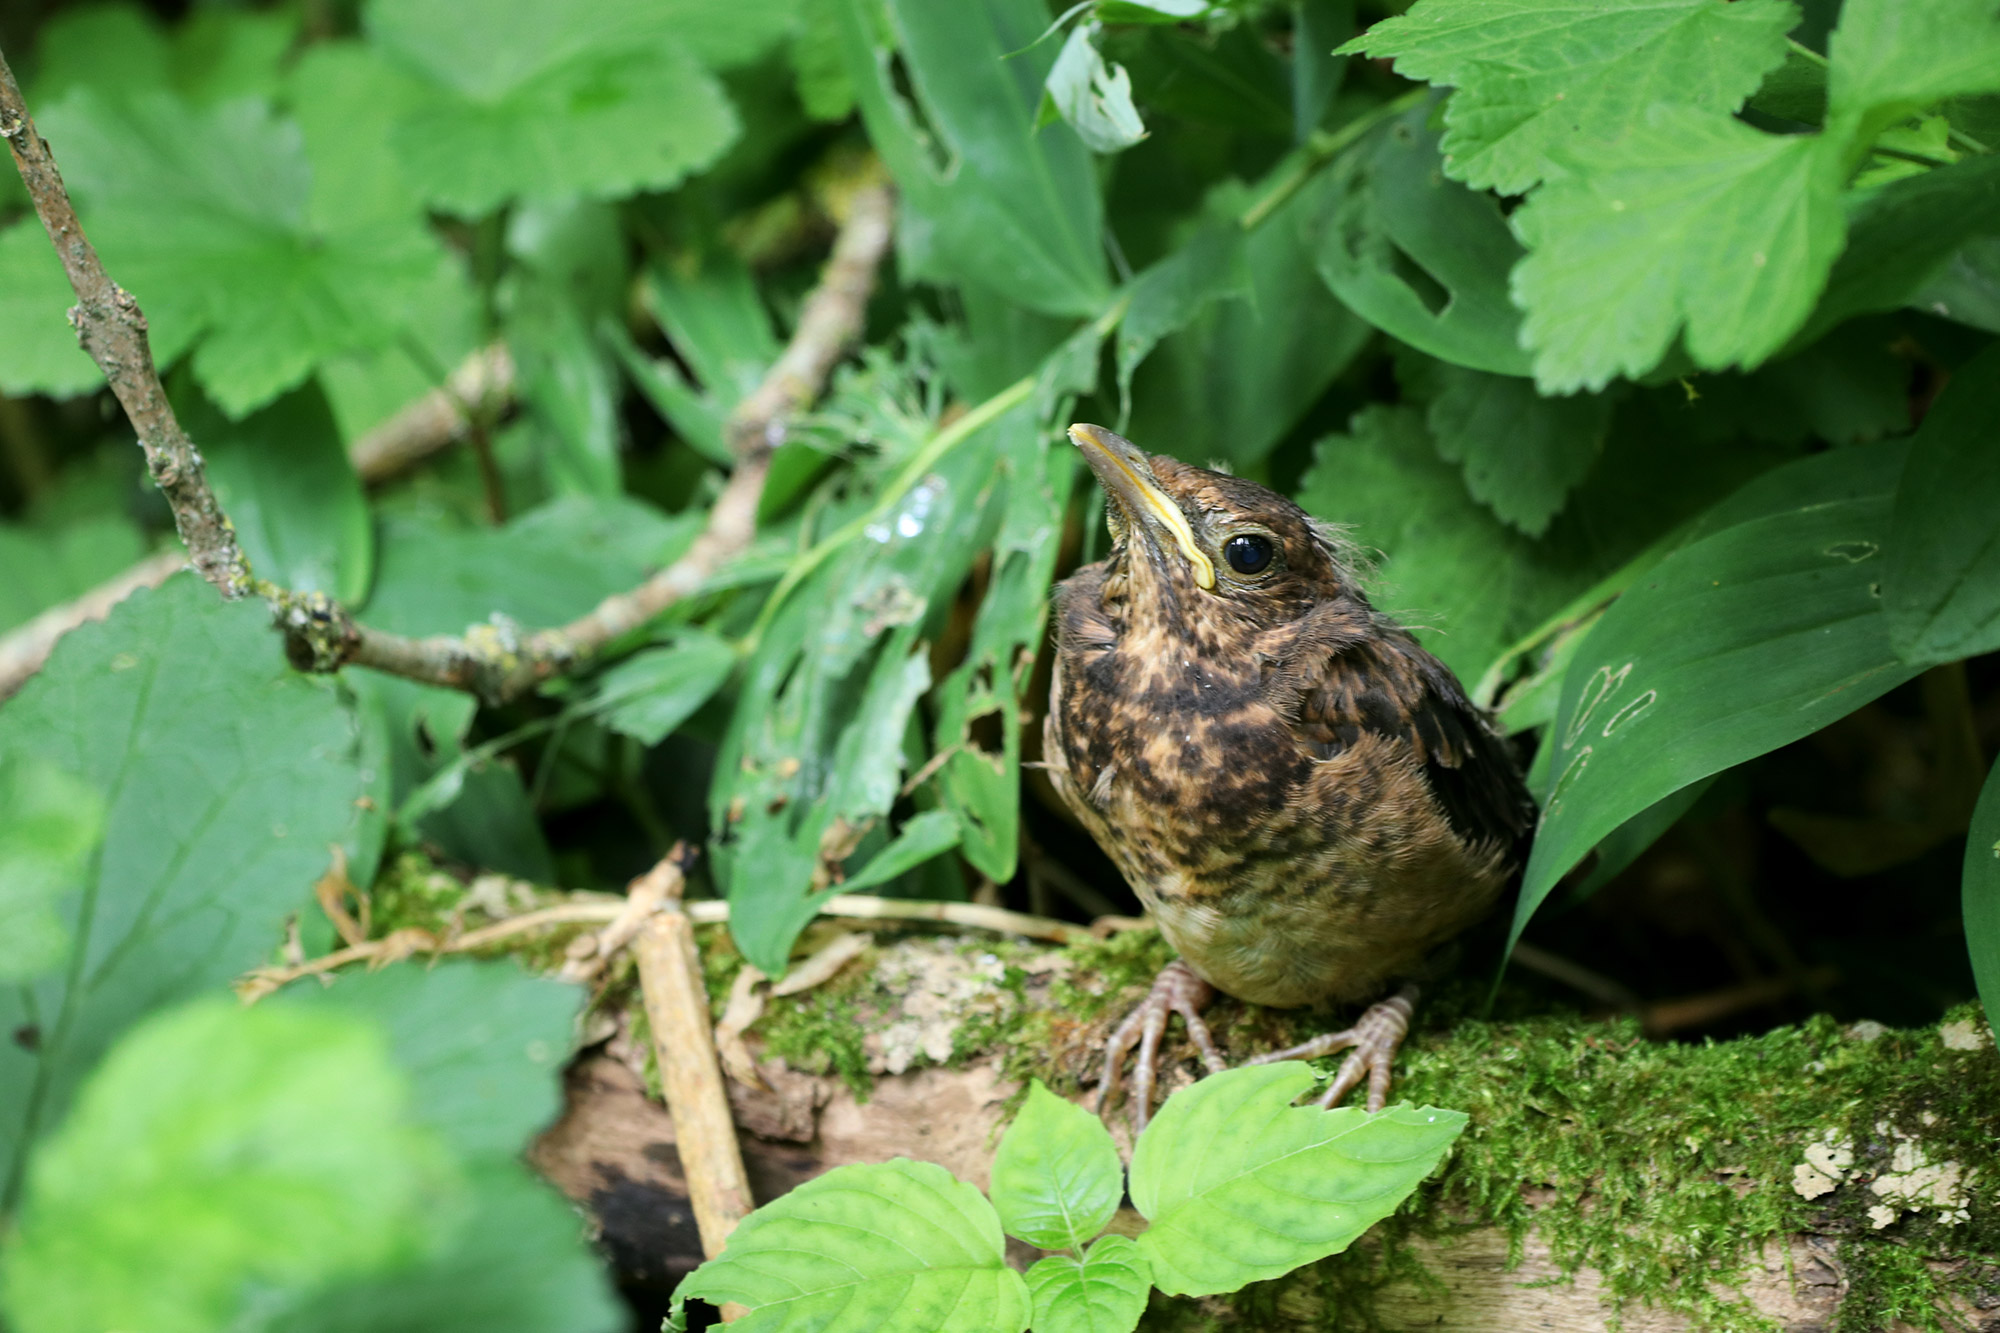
x=1056 y=1178
x=1532 y=76
x=38 y=348
x=225 y=778
x=652 y=692
x=862 y=1248
x=1739 y=230
x=1231 y=383
x=597 y=97
x=50 y=824
x=1209 y=267
x=47 y=564
x=1890 y=60
x=1745 y=640
x=1240 y=1185
x=209 y=56
x=1941 y=587
x=342 y=1159
x=1417 y=255
x=1982 y=896
x=203 y=215
x=286 y=484
x=1522 y=453
x=1104 y=1292
x=988 y=198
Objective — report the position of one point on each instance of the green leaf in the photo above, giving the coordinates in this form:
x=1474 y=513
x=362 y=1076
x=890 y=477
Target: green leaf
x=226 y=777
x=1941 y=585
x=981 y=786
x=1522 y=453
x=1738 y=228
x=1468 y=584
x=1417 y=255
x=39 y=352
x=931 y=833
x=596 y=98
x=1093 y=96
x=216 y=1151
x=1105 y=1292
x=1982 y=896
x=1766 y=629
x=707 y=304
x=1056 y=1179
x=1211 y=266
x=483 y=1045
x=1967 y=289
x=1240 y=1185
x=1532 y=76
x=202 y=214
x=50 y=824
x=212 y=55
x=987 y=198
x=865 y=1247
x=1890 y=60
x=48 y=565
x=283 y=478
x=1241 y=374
x=652 y=692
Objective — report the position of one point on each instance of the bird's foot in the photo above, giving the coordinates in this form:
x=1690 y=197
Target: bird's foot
x=1177 y=990
x=1374 y=1042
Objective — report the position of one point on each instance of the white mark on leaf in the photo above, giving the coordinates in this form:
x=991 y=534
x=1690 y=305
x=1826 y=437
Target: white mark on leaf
x=1630 y=711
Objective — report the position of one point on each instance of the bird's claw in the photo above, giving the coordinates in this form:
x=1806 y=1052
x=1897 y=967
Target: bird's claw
x=1177 y=990
x=1371 y=1044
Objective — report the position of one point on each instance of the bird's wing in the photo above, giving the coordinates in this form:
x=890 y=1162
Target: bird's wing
x=1389 y=686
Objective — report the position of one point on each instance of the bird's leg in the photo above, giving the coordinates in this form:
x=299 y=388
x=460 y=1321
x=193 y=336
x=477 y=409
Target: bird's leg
x=1375 y=1040
x=1177 y=990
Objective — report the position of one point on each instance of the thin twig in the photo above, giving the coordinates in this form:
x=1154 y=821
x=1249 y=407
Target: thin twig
x=496 y=661
x=113 y=331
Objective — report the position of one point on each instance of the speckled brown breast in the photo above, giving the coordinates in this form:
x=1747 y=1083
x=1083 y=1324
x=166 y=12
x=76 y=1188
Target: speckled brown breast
x=1293 y=846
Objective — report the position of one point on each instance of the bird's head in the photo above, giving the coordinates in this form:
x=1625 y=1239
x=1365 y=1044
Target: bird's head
x=1198 y=548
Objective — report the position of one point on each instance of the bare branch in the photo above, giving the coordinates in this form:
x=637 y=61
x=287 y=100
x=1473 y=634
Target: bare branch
x=112 y=330
x=484 y=380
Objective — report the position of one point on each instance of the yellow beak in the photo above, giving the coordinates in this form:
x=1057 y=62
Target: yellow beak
x=1128 y=479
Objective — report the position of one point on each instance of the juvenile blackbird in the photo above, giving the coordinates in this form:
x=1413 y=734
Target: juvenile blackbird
x=1305 y=800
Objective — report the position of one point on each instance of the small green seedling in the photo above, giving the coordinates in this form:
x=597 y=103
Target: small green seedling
x=1237 y=1185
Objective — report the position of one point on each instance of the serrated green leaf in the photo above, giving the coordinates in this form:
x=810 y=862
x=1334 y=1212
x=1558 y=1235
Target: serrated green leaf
x=1982 y=896
x=650 y=693
x=39 y=352
x=1417 y=255
x=1739 y=230
x=1467 y=583
x=288 y=488
x=865 y=1247
x=226 y=778
x=212 y=55
x=1240 y=1185
x=1057 y=1178
x=527 y=100
x=1522 y=453
x=1095 y=97
x=1941 y=583
x=1764 y=630
x=216 y=1151
x=1105 y=1292
x=202 y=214
x=987 y=198
x=1889 y=60
x=50 y=824
x=1534 y=76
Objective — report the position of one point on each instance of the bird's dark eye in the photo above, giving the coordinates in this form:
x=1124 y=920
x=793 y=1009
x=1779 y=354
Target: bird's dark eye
x=1249 y=553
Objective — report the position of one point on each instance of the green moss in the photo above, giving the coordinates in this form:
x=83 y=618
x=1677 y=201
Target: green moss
x=411 y=891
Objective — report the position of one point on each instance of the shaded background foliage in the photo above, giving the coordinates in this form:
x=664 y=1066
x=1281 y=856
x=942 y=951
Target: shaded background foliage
x=1611 y=314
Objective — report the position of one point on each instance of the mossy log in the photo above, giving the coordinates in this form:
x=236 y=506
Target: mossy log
x=1812 y=1178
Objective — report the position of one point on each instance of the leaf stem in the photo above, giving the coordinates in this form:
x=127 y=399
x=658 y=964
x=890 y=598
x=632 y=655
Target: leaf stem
x=1321 y=149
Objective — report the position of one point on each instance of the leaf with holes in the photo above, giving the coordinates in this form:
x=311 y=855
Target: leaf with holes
x=1742 y=641
x=1240 y=1185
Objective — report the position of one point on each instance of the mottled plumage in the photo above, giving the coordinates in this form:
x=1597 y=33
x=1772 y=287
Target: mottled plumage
x=1304 y=799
